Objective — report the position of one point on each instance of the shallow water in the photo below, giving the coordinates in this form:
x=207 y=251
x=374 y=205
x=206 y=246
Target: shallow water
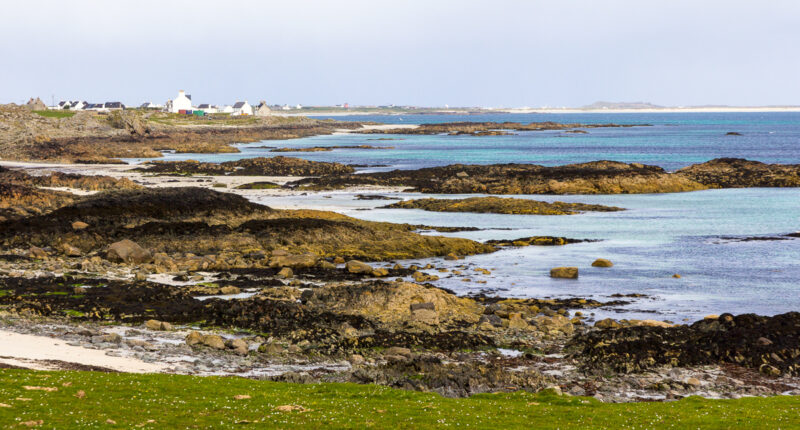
x=673 y=140
x=697 y=235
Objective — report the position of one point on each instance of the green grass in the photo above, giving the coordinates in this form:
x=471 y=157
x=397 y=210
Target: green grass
x=55 y=113
x=172 y=401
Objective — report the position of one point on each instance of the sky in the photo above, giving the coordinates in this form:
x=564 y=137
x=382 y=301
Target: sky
x=498 y=53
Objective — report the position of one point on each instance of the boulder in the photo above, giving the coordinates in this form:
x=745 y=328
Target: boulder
x=239 y=346
x=607 y=323
x=515 y=321
x=213 y=341
x=128 y=251
x=294 y=261
x=158 y=325
x=285 y=273
x=355 y=266
x=194 y=338
x=422 y=277
x=602 y=262
x=380 y=272
x=564 y=272
x=70 y=251
x=398 y=350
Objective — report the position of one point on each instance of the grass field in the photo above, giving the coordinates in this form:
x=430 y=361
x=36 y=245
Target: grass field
x=55 y=113
x=111 y=400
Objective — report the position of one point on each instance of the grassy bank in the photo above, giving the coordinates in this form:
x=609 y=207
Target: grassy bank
x=109 y=400
x=55 y=113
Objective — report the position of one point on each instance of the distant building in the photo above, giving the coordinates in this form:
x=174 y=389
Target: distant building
x=207 y=108
x=242 y=108
x=35 y=104
x=108 y=106
x=181 y=103
x=226 y=109
x=150 y=105
x=262 y=109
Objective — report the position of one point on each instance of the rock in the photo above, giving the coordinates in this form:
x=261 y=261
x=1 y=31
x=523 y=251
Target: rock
x=128 y=251
x=294 y=261
x=422 y=306
x=515 y=321
x=763 y=341
x=70 y=251
x=380 y=272
x=491 y=319
x=564 y=272
x=327 y=265
x=422 y=277
x=398 y=350
x=286 y=273
x=711 y=317
x=426 y=316
x=768 y=370
x=651 y=323
x=602 y=262
x=239 y=346
x=37 y=253
x=158 y=325
x=356 y=359
x=338 y=260
x=271 y=349
x=355 y=266
x=693 y=382
x=607 y=323
x=279 y=253
x=194 y=338
x=451 y=257
x=230 y=289
x=554 y=324
x=112 y=338
x=213 y=341
x=140 y=276
x=676 y=276
x=79 y=225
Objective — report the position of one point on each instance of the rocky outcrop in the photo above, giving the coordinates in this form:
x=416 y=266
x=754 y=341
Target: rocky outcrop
x=598 y=177
x=770 y=345
x=127 y=251
x=261 y=166
x=223 y=230
x=564 y=272
x=741 y=173
x=500 y=206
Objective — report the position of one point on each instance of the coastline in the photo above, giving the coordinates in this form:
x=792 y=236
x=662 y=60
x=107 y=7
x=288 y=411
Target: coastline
x=710 y=109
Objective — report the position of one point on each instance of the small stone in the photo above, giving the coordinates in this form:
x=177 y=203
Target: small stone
x=693 y=382
x=398 y=350
x=763 y=341
x=356 y=359
x=602 y=262
x=79 y=225
x=285 y=273
x=676 y=276
x=451 y=257
x=140 y=276
x=338 y=260
x=112 y=338
x=380 y=272
x=153 y=324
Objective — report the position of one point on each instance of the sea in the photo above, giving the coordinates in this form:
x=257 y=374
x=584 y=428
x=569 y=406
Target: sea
x=729 y=247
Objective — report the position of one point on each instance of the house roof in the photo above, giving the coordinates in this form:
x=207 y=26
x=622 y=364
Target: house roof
x=203 y=106
x=114 y=105
x=238 y=105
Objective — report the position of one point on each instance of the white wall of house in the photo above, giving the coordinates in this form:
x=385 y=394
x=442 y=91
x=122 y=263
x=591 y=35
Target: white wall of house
x=180 y=103
x=245 y=109
x=227 y=109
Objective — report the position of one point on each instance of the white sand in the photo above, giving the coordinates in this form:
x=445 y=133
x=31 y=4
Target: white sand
x=31 y=352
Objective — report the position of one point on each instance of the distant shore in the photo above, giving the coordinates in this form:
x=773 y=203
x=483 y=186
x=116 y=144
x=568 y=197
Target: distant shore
x=701 y=109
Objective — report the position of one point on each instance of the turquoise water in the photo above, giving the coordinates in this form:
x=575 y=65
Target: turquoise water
x=672 y=141
x=698 y=235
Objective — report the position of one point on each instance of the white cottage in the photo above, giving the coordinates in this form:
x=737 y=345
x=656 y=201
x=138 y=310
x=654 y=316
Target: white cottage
x=226 y=109
x=242 y=108
x=182 y=102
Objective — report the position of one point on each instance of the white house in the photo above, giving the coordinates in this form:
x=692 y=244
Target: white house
x=207 y=108
x=242 y=108
x=182 y=102
x=226 y=109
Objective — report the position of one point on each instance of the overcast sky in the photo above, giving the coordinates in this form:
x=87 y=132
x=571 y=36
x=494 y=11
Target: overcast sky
x=430 y=52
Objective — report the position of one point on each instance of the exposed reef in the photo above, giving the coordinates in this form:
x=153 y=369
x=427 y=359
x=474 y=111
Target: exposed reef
x=486 y=128
x=499 y=205
x=598 y=177
x=741 y=173
x=261 y=166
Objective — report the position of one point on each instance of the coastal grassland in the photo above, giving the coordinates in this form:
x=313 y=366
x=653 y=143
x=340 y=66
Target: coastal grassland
x=115 y=400
x=55 y=113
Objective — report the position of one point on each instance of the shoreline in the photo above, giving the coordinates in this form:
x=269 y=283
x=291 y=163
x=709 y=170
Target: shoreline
x=710 y=109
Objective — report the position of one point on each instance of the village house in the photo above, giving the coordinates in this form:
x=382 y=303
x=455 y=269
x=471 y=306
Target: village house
x=262 y=109
x=181 y=103
x=226 y=109
x=207 y=108
x=150 y=105
x=242 y=108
